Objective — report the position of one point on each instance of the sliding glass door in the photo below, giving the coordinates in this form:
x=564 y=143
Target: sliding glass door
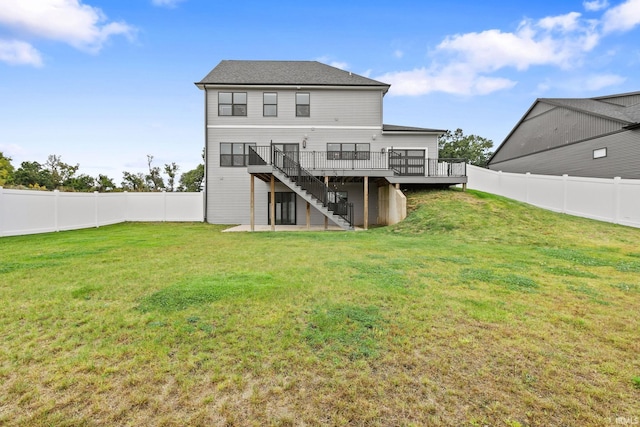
x=285 y=208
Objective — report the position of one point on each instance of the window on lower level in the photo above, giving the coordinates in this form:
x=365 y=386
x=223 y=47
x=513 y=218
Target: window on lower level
x=599 y=153
x=235 y=154
x=348 y=151
x=232 y=103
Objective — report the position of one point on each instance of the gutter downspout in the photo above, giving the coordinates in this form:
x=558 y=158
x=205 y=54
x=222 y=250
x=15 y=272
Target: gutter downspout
x=206 y=151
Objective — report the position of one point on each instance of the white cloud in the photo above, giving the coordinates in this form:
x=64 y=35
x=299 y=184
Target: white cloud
x=166 y=3
x=596 y=5
x=564 y=23
x=16 y=52
x=463 y=63
x=531 y=44
x=597 y=82
x=69 y=21
x=456 y=79
x=398 y=53
x=623 y=17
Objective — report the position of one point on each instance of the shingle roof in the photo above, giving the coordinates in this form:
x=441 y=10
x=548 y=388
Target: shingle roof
x=629 y=114
x=232 y=72
x=409 y=129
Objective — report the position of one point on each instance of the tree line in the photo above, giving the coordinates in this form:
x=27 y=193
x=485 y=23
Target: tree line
x=54 y=174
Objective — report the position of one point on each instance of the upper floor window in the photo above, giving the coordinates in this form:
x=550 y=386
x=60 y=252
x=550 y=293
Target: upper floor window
x=235 y=154
x=269 y=104
x=303 y=106
x=232 y=103
x=348 y=152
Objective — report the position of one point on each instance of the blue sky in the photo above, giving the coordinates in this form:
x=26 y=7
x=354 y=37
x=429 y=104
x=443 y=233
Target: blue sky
x=105 y=83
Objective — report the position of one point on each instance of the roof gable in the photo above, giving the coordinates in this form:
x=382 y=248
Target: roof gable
x=236 y=72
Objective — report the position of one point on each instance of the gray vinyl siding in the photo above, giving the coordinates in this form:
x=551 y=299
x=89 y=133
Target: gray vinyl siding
x=553 y=128
x=317 y=139
x=327 y=107
x=623 y=159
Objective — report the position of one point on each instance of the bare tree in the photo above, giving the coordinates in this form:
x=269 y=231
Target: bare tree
x=171 y=170
x=154 y=179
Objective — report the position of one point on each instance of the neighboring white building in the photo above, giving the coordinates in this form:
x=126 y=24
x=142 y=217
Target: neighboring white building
x=314 y=137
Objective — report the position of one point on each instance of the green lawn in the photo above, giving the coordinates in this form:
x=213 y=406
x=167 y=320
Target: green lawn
x=474 y=311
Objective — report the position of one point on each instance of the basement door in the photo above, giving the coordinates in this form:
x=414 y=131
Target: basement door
x=285 y=208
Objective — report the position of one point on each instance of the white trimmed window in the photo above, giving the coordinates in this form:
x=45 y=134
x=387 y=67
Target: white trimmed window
x=235 y=154
x=270 y=104
x=232 y=103
x=303 y=104
x=599 y=153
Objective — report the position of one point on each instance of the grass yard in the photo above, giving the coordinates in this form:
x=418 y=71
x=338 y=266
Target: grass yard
x=475 y=311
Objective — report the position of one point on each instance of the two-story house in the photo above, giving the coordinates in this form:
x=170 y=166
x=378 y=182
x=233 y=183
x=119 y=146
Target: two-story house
x=301 y=142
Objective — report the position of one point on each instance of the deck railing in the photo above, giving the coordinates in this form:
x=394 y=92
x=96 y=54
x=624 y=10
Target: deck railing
x=354 y=160
x=361 y=160
x=446 y=167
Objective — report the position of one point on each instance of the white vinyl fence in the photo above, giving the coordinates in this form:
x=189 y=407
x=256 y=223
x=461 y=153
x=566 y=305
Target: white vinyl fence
x=31 y=212
x=612 y=200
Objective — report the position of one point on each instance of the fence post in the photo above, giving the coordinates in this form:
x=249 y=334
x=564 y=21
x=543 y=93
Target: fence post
x=616 y=199
x=96 y=208
x=565 y=178
x=164 y=205
x=56 y=194
x=1 y=211
x=126 y=206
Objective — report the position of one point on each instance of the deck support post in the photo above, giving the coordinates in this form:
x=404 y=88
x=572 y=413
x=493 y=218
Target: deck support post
x=308 y=216
x=253 y=204
x=366 y=203
x=326 y=220
x=272 y=210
